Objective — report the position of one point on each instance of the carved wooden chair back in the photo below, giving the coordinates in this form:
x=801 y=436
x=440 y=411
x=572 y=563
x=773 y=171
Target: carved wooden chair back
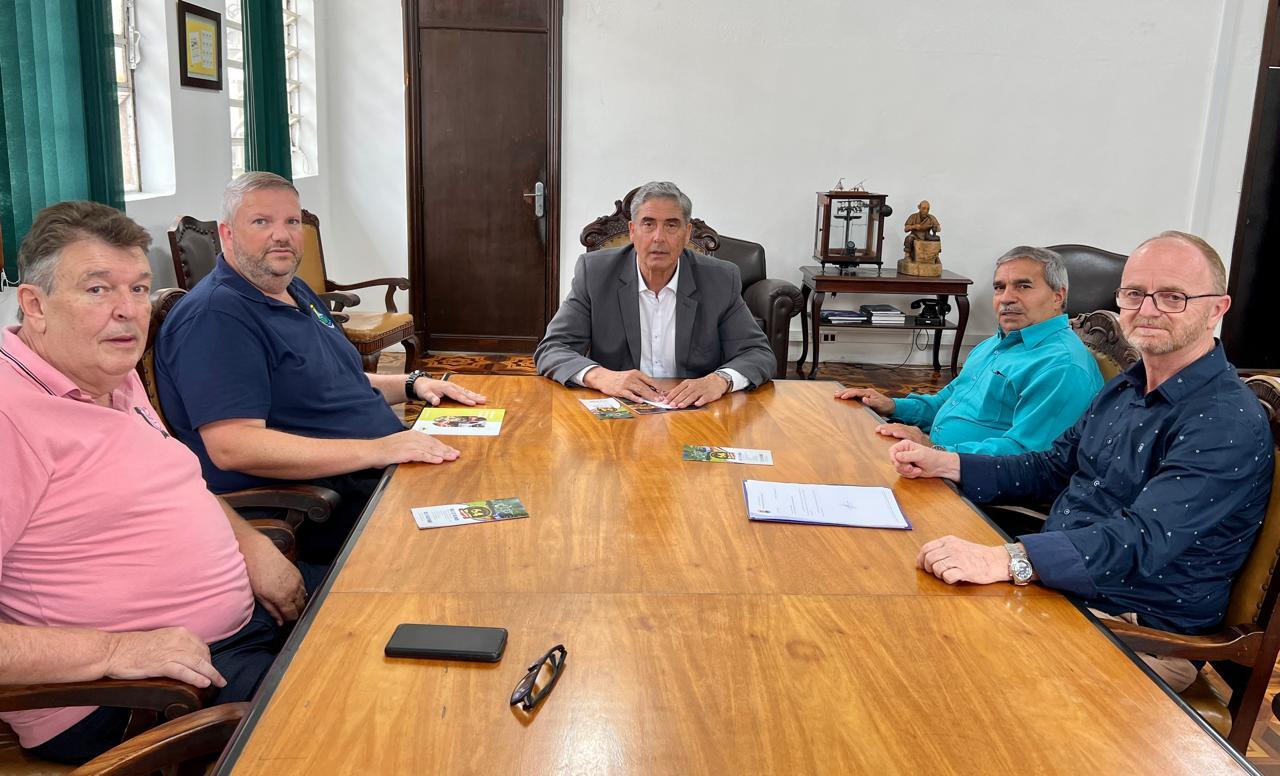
x=162 y=302
x=1100 y=331
x=610 y=231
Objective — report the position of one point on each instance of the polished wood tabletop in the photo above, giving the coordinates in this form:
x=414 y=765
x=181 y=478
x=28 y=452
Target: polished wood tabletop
x=698 y=641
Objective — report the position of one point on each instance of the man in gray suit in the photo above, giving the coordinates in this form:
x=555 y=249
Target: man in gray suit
x=656 y=309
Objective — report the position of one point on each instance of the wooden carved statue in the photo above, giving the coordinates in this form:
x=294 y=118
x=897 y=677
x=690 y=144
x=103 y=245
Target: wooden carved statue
x=922 y=246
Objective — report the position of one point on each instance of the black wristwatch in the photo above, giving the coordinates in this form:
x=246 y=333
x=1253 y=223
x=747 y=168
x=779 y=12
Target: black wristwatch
x=409 y=380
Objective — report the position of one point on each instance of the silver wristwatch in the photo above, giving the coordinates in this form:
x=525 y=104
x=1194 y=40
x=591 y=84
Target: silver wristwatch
x=1020 y=571
x=728 y=379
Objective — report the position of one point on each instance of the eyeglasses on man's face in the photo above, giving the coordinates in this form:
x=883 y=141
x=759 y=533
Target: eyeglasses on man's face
x=525 y=693
x=1165 y=301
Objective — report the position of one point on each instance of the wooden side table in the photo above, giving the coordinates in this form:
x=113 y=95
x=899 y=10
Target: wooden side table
x=860 y=282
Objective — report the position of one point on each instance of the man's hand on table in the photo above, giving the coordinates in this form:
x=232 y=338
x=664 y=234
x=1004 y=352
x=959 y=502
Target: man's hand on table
x=955 y=560
x=631 y=384
x=903 y=431
x=870 y=397
x=410 y=447
x=913 y=460
x=699 y=391
x=173 y=652
x=432 y=391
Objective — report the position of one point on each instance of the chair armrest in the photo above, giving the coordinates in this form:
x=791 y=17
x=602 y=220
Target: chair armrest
x=772 y=299
x=338 y=301
x=279 y=532
x=1239 y=644
x=310 y=502
x=200 y=734
x=167 y=697
x=391 y=283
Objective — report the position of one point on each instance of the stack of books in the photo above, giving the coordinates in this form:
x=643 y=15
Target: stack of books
x=884 y=315
x=843 y=316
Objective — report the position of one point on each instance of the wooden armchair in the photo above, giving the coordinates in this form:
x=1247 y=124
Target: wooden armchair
x=299 y=502
x=773 y=303
x=195 y=247
x=184 y=745
x=1100 y=332
x=1243 y=652
x=371 y=333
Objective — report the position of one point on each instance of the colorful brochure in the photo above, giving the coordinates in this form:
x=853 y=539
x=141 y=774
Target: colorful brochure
x=460 y=421
x=468 y=513
x=607 y=409
x=848 y=505
x=618 y=409
x=713 y=454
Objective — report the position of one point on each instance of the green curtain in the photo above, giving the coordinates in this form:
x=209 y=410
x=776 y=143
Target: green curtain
x=59 y=131
x=266 y=103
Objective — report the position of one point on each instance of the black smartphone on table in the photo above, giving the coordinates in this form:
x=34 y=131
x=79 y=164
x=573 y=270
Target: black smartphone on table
x=447 y=642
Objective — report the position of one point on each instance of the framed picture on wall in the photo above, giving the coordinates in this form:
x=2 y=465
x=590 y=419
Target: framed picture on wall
x=199 y=47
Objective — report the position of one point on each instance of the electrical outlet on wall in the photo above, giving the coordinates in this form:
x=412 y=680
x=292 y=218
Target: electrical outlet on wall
x=828 y=338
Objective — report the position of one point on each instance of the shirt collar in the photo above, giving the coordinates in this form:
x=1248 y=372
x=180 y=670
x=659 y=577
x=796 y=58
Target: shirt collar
x=226 y=275
x=40 y=373
x=1033 y=335
x=673 y=283
x=1189 y=379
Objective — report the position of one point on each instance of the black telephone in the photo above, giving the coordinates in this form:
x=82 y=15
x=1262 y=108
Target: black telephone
x=933 y=312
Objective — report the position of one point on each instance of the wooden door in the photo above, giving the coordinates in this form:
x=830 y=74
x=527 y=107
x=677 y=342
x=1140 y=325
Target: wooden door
x=1247 y=327
x=483 y=135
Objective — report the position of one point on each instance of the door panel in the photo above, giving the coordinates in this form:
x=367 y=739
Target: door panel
x=483 y=129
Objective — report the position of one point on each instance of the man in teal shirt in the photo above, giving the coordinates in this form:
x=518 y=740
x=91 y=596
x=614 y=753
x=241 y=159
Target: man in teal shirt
x=1020 y=388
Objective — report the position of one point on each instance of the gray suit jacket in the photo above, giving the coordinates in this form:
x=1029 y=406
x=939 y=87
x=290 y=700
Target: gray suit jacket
x=601 y=317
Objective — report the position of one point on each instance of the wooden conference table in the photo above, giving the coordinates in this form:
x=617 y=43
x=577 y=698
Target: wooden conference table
x=698 y=641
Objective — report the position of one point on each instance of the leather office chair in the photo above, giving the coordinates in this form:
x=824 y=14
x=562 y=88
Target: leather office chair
x=772 y=302
x=1093 y=275
x=371 y=333
x=195 y=247
x=1243 y=652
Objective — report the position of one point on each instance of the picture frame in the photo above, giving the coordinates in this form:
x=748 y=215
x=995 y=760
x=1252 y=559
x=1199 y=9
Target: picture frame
x=199 y=47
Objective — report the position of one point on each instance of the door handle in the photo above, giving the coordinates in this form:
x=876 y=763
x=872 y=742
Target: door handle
x=538 y=196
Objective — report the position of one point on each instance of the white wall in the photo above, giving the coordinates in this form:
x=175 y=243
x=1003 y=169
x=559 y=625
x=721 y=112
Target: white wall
x=365 y=222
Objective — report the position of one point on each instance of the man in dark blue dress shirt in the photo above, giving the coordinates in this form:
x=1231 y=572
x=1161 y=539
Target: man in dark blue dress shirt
x=1158 y=491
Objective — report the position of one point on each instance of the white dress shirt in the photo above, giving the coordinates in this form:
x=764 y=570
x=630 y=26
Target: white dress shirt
x=658 y=332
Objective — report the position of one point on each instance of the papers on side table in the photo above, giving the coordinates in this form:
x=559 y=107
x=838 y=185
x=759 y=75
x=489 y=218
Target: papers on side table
x=848 y=505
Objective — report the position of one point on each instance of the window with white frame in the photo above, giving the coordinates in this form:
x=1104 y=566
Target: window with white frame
x=127 y=55
x=299 y=84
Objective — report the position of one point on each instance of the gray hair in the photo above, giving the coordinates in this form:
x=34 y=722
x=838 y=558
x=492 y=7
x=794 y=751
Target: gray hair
x=661 y=190
x=1055 y=272
x=235 y=191
x=60 y=225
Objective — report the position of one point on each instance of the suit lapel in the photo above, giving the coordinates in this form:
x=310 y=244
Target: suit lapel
x=686 y=310
x=629 y=304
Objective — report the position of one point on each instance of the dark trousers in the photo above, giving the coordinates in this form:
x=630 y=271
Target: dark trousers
x=242 y=658
x=321 y=542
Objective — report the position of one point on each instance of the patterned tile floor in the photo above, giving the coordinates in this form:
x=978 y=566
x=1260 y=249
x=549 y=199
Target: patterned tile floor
x=1264 y=748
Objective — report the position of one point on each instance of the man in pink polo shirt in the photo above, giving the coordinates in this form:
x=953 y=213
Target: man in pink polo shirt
x=115 y=559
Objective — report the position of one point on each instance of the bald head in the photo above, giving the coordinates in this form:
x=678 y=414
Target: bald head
x=1200 y=249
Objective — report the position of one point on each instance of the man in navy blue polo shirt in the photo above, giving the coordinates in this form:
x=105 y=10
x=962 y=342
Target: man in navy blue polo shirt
x=1158 y=491
x=257 y=380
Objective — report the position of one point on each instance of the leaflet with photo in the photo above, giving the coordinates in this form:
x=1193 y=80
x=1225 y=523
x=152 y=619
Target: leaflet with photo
x=471 y=512
x=716 y=454
x=460 y=421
